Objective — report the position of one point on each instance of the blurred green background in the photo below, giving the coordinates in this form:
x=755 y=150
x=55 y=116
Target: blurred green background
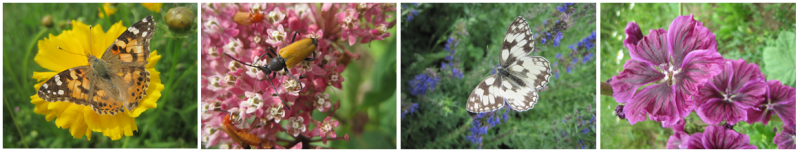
x=173 y=124
x=565 y=107
x=751 y=32
x=368 y=111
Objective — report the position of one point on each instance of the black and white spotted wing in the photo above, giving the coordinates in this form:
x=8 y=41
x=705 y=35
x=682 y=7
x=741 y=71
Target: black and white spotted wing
x=519 y=77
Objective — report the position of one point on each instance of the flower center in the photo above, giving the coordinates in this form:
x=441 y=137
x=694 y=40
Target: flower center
x=669 y=74
x=728 y=97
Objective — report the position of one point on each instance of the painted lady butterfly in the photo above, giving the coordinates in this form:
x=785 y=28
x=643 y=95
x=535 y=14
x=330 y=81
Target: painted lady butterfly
x=106 y=84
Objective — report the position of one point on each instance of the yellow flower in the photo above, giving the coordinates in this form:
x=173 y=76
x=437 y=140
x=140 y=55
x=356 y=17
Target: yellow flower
x=109 y=10
x=82 y=120
x=155 y=7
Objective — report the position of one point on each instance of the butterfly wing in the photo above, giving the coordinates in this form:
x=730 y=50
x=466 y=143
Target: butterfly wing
x=518 y=42
x=133 y=46
x=128 y=56
x=487 y=96
x=531 y=74
x=67 y=86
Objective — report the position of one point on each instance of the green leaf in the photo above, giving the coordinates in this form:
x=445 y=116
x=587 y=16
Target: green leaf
x=779 y=58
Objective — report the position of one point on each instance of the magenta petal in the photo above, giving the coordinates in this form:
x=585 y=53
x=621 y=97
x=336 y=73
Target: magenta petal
x=633 y=34
x=696 y=69
x=679 y=140
x=751 y=94
x=716 y=110
x=635 y=74
x=652 y=49
x=743 y=72
x=717 y=137
x=786 y=138
x=696 y=141
x=785 y=103
x=657 y=101
x=686 y=35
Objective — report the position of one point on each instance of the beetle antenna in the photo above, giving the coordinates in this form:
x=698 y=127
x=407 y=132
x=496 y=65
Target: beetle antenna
x=238 y=60
x=279 y=95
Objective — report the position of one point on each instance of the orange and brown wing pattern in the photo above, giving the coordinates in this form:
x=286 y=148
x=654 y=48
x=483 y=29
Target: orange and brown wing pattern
x=70 y=85
x=138 y=80
x=103 y=102
x=133 y=46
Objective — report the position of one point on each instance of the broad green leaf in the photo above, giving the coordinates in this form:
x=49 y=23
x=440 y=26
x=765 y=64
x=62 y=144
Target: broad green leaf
x=779 y=58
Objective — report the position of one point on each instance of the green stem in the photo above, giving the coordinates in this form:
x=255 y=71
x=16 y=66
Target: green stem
x=680 y=8
x=605 y=89
x=21 y=138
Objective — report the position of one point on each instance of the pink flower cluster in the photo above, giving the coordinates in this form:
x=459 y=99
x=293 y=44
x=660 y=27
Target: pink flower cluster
x=245 y=92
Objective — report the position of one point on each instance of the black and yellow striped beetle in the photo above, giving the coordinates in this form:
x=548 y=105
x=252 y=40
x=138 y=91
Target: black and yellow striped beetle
x=288 y=57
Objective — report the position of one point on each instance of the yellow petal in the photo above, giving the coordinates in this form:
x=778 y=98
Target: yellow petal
x=155 y=7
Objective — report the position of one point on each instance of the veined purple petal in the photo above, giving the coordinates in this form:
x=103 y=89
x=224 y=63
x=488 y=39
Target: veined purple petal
x=786 y=138
x=697 y=68
x=686 y=35
x=696 y=141
x=635 y=74
x=633 y=34
x=657 y=101
x=781 y=99
x=727 y=96
x=743 y=72
x=652 y=49
x=717 y=137
x=716 y=110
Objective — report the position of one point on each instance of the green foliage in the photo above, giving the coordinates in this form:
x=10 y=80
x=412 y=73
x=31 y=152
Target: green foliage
x=565 y=107
x=173 y=124
x=368 y=98
x=741 y=30
x=779 y=58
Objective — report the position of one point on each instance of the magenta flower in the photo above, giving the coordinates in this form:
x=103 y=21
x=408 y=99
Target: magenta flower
x=717 y=137
x=780 y=100
x=728 y=95
x=675 y=62
x=786 y=139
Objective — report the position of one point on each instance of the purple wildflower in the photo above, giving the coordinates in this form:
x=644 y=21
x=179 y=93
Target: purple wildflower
x=676 y=62
x=457 y=73
x=422 y=83
x=780 y=100
x=727 y=96
x=786 y=138
x=717 y=137
x=587 y=58
x=557 y=39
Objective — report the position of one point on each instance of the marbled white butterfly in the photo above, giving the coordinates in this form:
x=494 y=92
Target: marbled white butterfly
x=518 y=78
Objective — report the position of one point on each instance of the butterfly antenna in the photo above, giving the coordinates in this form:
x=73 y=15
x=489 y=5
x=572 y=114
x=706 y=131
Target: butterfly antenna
x=238 y=60
x=279 y=95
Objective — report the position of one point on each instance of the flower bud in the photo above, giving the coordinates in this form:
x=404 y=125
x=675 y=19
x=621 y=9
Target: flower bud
x=179 y=18
x=47 y=21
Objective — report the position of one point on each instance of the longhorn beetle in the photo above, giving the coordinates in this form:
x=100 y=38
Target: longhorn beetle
x=286 y=58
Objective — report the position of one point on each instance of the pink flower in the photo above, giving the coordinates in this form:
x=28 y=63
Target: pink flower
x=325 y=128
x=276 y=36
x=296 y=126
